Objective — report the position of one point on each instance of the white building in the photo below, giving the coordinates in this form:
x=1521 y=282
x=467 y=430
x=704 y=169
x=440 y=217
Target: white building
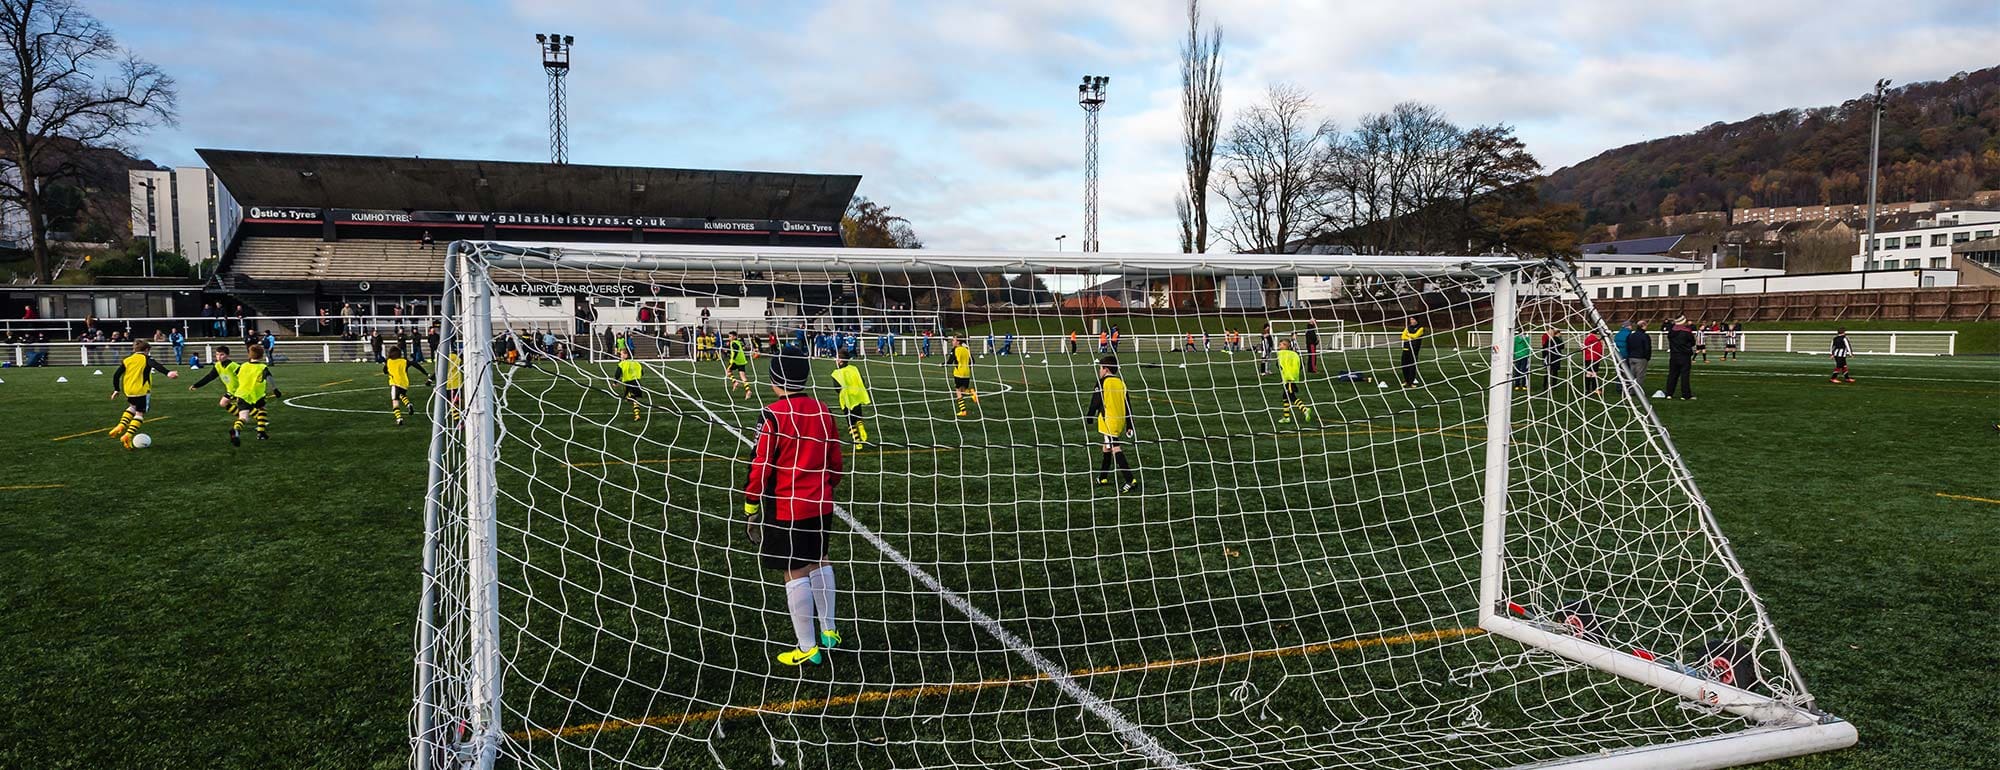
x=1928 y=244
x=185 y=211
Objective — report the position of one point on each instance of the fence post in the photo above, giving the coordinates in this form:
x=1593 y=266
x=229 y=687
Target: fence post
x=1788 y=342
x=1892 y=343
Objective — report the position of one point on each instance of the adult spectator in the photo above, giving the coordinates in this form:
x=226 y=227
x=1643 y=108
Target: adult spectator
x=347 y=320
x=1638 y=355
x=240 y=318
x=375 y=346
x=1680 y=359
x=431 y=336
x=179 y=341
x=428 y=243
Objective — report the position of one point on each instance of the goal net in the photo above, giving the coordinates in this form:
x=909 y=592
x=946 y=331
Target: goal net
x=1420 y=555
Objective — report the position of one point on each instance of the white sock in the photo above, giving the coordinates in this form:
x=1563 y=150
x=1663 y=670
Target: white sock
x=799 y=597
x=822 y=584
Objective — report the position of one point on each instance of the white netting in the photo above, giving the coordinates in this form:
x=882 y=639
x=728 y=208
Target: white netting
x=1280 y=589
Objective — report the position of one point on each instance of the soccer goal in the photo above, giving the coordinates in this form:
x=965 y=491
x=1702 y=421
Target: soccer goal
x=1480 y=569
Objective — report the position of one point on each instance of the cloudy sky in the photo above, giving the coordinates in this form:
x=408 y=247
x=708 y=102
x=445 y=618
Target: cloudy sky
x=962 y=116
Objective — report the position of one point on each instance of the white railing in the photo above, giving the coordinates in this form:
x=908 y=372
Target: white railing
x=1812 y=341
x=204 y=327
x=101 y=354
x=1886 y=343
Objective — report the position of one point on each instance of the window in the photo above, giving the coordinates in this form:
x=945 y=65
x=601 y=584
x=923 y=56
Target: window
x=1619 y=271
x=1600 y=292
x=1891 y=243
x=1597 y=271
x=1914 y=241
x=1939 y=261
x=1694 y=289
x=1961 y=236
x=1913 y=263
x=1617 y=292
x=1673 y=290
x=1983 y=234
x=731 y=302
x=1939 y=239
x=1653 y=291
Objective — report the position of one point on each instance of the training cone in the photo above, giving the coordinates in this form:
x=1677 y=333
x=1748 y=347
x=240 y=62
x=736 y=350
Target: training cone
x=1659 y=394
x=1380 y=385
x=96 y=373
x=62 y=379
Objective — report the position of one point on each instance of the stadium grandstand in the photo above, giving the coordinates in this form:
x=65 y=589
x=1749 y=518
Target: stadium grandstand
x=326 y=232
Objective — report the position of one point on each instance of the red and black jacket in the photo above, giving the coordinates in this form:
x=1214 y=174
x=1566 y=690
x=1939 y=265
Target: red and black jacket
x=798 y=461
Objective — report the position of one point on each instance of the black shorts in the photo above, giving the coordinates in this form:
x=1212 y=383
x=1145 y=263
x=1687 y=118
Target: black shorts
x=398 y=391
x=794 y=544
x=632 y=390
x=1729 y=346
x=857 y=413
x=736 y=367
x=1291 y=391
x=241 y=404
x=961 y=383
x=138 y=403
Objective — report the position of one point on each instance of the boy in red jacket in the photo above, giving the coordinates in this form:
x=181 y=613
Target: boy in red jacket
x=796 y=467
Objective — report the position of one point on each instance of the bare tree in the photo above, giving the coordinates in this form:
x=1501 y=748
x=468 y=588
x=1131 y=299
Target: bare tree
x=1272 y=175
x=66 y=87
x=1201 y=111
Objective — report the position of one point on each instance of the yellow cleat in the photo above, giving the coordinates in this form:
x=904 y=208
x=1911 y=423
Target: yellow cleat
x=829 y=638
x=963 y=413
x=799 y=657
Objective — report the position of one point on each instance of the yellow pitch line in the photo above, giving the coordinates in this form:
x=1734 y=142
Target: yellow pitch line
x=905 y=693
x=1969 y=497
x=106 y=431
x=32 y=486
x=337 y=382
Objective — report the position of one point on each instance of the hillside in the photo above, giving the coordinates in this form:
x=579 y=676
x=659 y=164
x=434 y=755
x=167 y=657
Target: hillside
x=1940 y=141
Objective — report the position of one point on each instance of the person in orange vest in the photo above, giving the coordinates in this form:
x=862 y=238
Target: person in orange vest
x=1072 y=342
x=1103 y=342
x=1188 y=346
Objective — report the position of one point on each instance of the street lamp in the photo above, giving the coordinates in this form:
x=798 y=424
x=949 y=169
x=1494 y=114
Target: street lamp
x=1874 y=163
x=1059 y=240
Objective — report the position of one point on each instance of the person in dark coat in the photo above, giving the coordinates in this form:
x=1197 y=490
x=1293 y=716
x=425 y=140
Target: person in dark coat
x=1680 y=359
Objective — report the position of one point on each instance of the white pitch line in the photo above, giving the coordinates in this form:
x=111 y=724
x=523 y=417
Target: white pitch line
x=1132 y=735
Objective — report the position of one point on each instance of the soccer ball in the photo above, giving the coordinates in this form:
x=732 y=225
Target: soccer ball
x=142 y=441
x=173 y=375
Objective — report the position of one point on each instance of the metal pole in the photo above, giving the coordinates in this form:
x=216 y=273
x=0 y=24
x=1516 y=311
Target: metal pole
x=482 y=542
x=1874 y=163
x=1091 y=95
x=427 y=676
x=1499 y=426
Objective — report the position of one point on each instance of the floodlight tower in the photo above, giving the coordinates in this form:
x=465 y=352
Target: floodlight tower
x=555 y=62
x=1874 y=163
x=1091 y=95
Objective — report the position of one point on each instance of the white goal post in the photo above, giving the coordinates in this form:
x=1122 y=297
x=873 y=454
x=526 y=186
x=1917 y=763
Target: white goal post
x=1483 y=567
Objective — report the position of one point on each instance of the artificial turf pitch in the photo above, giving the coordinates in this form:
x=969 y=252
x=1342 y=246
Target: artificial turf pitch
x=198 y=605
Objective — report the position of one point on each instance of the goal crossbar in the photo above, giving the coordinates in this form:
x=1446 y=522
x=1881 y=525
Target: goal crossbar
x=519 y=254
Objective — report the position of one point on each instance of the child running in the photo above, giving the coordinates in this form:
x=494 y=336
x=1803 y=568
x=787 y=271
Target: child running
x=398 y=369
x=736 y=363
x=134 y=379
x=220 y=369
x=960 y=363
x=629 y=372
x=854 y=398
x=252 y=387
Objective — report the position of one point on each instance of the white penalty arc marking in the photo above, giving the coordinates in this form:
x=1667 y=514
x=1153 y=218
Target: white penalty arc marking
x=1128 y=731
x=294 y=401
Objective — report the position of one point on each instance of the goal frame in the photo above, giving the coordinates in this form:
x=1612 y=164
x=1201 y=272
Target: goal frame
x=1781 y=729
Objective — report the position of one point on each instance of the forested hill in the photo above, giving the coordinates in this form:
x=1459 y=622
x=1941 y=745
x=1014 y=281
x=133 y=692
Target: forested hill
x=1940 y=141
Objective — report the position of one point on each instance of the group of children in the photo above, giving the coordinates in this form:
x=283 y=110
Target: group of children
x=247 y=387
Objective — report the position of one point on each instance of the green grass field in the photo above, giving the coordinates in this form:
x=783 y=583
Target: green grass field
x=200 y=605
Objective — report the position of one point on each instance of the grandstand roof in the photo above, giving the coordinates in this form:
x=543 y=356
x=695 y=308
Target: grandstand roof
x=434 y=184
